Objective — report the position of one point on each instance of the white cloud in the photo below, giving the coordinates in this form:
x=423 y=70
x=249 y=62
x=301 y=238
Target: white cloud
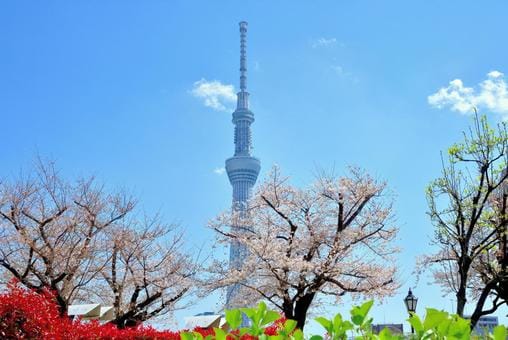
x=342 y=73
x=491 y=94
x=219 y=171
x=338 y=69
x=324 y=42
x=215 y=94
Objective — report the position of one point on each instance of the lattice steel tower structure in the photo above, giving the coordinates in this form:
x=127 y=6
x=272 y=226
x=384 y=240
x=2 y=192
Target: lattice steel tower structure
x=242 y=168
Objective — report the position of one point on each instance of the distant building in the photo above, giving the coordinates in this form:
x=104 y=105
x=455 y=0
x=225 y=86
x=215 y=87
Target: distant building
x=486 y=325
x=395 y=328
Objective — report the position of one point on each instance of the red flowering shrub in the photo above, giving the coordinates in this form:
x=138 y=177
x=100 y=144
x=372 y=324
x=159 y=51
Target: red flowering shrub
x=94 y=330
x=276 y=326
x=26 y=314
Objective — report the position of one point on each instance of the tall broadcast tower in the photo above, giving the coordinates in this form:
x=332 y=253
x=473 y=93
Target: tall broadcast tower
x=242 y=168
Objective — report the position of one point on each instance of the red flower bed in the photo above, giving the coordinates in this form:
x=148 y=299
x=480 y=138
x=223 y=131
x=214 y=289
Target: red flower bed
x=25 y=314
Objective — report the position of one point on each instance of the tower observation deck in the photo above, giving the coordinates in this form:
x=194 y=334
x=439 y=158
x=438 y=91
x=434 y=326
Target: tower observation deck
x=242 y=168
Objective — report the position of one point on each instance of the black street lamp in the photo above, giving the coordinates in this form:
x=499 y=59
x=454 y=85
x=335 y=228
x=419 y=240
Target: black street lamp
x=410 y=301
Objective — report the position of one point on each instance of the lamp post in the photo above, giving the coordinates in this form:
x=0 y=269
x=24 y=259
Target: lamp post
x=410 y=301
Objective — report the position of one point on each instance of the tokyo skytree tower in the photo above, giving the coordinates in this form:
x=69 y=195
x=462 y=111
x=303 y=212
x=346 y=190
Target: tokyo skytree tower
x=242 y=168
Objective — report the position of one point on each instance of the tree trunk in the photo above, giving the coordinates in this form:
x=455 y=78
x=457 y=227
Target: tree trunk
x=478 y=311
x=461 y=301
x=464 y=265
x=287 y=308
x=301 y=308
x=125 y=321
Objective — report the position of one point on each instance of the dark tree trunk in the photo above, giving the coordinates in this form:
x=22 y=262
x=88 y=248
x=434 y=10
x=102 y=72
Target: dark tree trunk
x=126 y=320
x=301 y=309
x=287 y=308
x=461 y=300
x=63 y=305
x=464 y=265
x=478 y=311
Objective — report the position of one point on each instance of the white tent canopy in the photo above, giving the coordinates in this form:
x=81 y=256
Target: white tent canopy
x=92 y=311
x=204 y=321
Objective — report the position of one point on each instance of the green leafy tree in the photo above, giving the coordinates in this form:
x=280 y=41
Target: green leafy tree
x=468 y=210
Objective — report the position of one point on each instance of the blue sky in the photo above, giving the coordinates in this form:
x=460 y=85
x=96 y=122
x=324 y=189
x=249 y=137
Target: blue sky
x=106 y=88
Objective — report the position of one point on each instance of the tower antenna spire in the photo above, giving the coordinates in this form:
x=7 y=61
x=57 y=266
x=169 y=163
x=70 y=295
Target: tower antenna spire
x=243 y=56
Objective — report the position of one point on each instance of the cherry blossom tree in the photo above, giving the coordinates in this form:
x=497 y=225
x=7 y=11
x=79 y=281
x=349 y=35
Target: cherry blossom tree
x=84 y=243
x=467 y=206
x=330 y=239
x=52 y=231
x=148 y=274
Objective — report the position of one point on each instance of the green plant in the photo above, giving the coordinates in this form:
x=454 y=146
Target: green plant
x=442 y=325
x=360 y=326
x=437 y=325
x=259 y=319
